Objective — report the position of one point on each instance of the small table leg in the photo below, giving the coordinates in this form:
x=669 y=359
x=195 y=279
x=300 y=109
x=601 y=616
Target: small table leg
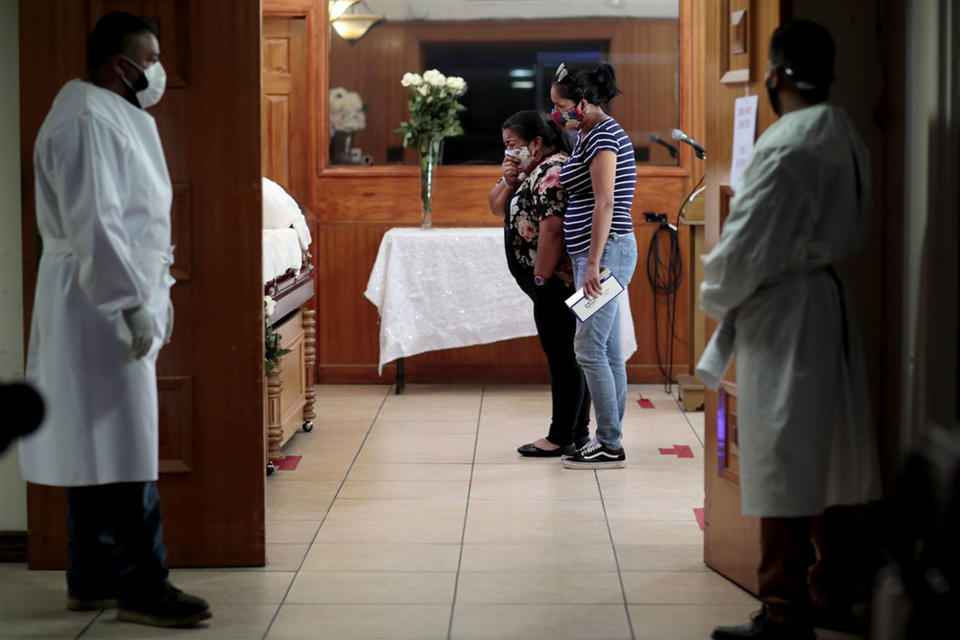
x=400 y=376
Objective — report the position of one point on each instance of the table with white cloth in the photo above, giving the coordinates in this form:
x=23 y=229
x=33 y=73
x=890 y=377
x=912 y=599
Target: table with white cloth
x=447 y=288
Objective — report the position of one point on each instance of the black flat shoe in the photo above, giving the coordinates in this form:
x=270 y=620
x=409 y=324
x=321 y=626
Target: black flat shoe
x=531 y=451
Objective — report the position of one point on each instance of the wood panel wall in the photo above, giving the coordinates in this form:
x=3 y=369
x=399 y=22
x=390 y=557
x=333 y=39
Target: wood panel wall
x=355 y=206
x=645 y=53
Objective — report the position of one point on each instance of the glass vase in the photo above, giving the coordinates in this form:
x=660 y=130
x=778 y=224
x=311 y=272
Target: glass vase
x=428 y=167
x=340 y=145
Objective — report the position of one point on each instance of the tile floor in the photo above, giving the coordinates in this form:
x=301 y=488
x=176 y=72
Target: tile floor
x=412 y=516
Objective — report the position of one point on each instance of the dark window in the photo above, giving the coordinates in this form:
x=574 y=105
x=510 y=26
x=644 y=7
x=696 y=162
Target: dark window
x=503 y=78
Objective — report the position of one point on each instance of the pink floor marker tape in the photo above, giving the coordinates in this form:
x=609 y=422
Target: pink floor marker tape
x=644 y=403
x=289 y=463
x=679 y=450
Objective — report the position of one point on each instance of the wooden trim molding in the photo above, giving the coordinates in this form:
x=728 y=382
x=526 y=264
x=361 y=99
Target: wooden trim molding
x=13 y=546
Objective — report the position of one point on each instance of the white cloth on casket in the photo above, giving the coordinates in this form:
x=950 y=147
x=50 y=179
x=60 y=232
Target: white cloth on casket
x=281 y=211
x=103 y=201
x=806 y=436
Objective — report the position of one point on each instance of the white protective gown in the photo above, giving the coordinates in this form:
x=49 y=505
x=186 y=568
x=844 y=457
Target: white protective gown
x=103 y=200
x=806 y=436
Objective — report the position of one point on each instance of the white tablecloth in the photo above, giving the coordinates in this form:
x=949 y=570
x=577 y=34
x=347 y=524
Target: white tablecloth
x=446 y=288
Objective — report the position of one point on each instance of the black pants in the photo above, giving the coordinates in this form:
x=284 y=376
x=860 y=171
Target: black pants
x=116 y=549
x=556 y=325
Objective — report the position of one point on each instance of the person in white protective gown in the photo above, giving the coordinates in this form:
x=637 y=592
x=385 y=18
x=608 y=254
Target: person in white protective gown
x=806 y=441
x=102 y=312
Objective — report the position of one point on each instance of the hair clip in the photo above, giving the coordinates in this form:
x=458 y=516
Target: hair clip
x=561 y=73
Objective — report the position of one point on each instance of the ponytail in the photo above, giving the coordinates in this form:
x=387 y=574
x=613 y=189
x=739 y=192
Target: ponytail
x=597 y=85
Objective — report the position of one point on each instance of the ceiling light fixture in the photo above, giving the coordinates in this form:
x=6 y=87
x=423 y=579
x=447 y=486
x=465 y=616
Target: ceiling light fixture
x=348 y=22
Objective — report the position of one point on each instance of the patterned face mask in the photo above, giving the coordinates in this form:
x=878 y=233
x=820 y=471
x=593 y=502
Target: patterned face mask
x=572 y=118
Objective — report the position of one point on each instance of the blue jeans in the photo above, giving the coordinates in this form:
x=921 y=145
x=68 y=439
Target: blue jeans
x=597 y=341
x=115 y=542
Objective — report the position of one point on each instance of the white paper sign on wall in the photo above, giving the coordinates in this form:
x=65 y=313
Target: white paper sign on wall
x=744 y=135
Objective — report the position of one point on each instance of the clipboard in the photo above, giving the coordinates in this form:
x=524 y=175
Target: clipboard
x=585 y=307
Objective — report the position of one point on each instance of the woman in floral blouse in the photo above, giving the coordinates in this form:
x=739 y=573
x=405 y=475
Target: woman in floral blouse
x=532 y=203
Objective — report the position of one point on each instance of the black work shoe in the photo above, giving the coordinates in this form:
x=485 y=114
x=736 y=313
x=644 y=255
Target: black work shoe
x=595 y=455
x=763 y=627
x=172 y=608
x=78 y=603
x=532 y=451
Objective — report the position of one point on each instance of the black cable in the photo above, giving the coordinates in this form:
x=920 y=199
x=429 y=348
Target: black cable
x=665 y=279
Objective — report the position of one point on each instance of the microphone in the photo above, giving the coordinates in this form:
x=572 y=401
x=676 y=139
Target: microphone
x=674 y=152
x=680 y=136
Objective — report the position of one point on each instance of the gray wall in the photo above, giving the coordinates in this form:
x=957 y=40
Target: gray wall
x=13 y=495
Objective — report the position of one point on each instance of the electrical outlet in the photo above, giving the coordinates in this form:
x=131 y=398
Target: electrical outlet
x=656 y=218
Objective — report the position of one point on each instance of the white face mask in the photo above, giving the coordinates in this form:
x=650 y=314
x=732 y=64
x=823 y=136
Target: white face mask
x=523 y=156
x=157 y=79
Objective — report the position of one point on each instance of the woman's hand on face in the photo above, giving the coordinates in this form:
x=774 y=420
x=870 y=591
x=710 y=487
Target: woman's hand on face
x=511 y=171
x=591 y=281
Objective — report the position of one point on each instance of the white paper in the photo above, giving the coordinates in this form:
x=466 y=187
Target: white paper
x=585 y=307
x=744 y=135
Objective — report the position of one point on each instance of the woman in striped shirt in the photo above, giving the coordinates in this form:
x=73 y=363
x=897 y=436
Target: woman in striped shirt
x=600 y=177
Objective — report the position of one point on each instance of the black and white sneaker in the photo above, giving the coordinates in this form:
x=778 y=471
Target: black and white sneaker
x=595 y=455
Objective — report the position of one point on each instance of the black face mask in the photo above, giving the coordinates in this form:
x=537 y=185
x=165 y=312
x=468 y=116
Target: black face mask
x=774 y=94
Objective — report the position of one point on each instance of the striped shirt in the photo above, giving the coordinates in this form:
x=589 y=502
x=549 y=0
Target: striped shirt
x=607 y=135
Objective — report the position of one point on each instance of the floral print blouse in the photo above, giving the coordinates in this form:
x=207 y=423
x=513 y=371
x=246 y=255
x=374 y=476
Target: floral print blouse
x=537 y=197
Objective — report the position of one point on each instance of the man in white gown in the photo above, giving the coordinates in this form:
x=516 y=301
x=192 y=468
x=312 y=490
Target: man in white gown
x=102 y=312
x=806 y=442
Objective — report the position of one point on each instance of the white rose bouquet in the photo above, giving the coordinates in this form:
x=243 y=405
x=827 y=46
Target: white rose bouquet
x=346 y=111
x=434 y=108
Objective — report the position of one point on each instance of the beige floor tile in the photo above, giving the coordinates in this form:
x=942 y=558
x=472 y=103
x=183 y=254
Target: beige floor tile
x=352 y=390
x=23 y=618
x=655 y=532
x=417 y=448
x=418 y=472
x=501 y=482
x=668 y=557
x=689 y=587
x=382 y=557
x=410 y=531
x=547 y=532
x=373 y=587
x=679 y=508
x=326 y=467
x=283 y=557
x=234 y=587
x=532 y=509
x=404 y=490
x=19 y=584
x=538 y=557
x=379 y=510
x=327 y=444
x=346 y=409
x=326 y=425
x=232 y=621
x=299 y=500
x=539 y=621
x=429 y=427
x=584 y=588
x=361 y=621
x=685 y=621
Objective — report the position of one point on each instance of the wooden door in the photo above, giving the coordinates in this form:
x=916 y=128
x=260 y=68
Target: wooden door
x=284 y=110
x=736 y=41
x=210 y=376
